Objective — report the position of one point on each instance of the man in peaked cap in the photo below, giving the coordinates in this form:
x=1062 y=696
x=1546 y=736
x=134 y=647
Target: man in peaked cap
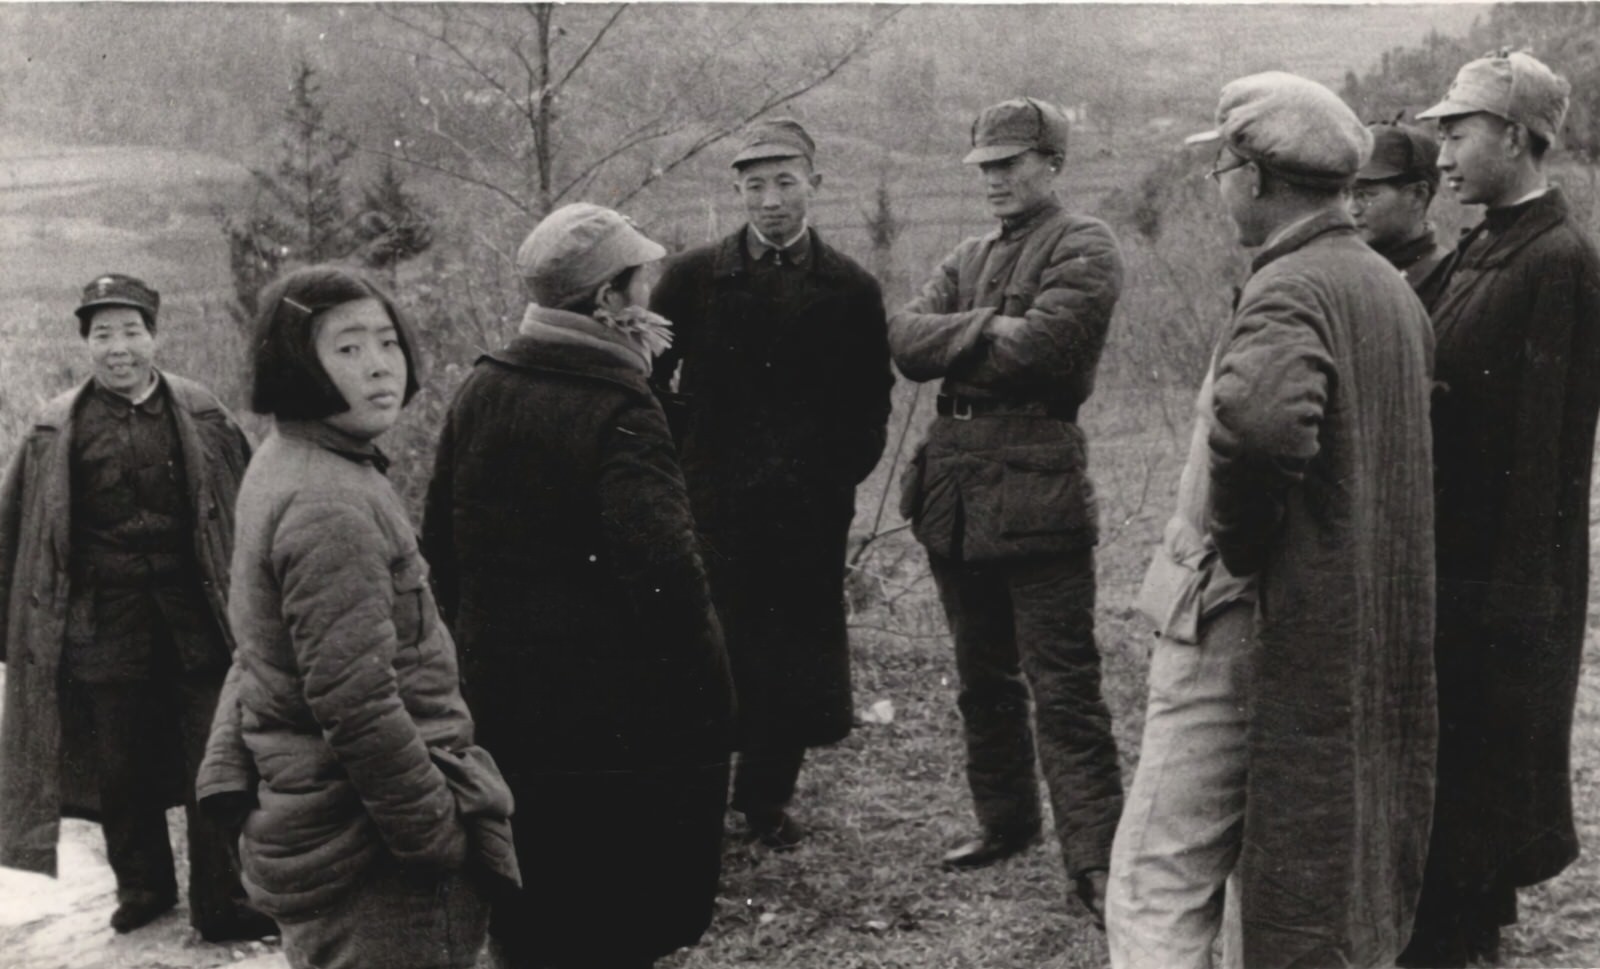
x=1389 y=204
x=1518 y=364
x=1291 y=684
x=116 y=528
x=1013 y=323
x=782 y=406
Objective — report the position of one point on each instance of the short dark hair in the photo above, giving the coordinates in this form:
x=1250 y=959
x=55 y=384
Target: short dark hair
x=586 y=304
x=288 y=380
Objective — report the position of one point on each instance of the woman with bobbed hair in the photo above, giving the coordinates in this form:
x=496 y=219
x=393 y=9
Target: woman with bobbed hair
x=566 y=562
x=373 y=829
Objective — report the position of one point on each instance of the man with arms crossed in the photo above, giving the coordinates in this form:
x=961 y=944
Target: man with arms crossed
x=1013 y=323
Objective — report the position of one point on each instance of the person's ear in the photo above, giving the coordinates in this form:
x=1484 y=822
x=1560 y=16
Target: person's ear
x=1516 y=140
x=815 y=180
x=609 y=298
x=1258 y=181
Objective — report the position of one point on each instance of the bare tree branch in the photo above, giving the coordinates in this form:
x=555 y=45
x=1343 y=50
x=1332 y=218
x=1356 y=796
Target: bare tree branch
x=594 y=42
x=452 y=173
x=776 y=99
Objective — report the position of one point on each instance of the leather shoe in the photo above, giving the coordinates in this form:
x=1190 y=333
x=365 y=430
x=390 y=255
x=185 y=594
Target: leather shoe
x=248 y=924
x=1091 y=890
x=141 y=912
x=987 y=849
x=780 y=833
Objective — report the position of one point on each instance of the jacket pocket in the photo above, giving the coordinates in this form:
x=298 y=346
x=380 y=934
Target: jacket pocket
x=1045 y=490
x=410 y=574
x=911 y=484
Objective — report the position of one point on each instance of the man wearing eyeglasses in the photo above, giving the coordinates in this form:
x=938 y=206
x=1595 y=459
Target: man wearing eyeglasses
x=1389 y=205
x=1013 y=323
x=1288 y=741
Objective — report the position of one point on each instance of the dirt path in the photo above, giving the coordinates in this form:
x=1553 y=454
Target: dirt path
x=62 y=923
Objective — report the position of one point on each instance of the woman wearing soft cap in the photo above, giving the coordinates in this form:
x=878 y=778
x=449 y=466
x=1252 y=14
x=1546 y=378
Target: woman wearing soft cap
x=566 y=562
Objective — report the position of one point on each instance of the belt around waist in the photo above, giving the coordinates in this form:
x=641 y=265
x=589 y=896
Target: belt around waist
x=966 y=408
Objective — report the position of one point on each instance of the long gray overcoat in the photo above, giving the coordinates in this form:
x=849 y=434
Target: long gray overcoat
x=1321 y=485
x=45 y=757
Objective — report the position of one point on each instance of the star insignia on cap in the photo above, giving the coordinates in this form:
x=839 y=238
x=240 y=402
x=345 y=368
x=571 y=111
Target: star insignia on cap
x=103 y=285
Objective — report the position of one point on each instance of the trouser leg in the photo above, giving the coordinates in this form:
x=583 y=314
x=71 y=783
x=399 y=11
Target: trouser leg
x=216 y=897
x=1053 y=603
x=993 y=697
x=1179 y=837
x=765 y=780
x=132 y=815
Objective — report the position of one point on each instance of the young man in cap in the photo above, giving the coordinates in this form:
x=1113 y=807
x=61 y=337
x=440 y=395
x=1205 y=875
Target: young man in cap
x=1389 y=204
x=1518 y=361
x=1289 y=736
x=116 y=527
x=1013 y=323
x=783 y=404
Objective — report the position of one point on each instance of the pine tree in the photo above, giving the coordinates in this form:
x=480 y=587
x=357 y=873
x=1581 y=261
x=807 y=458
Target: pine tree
x=394 y=224
x=300 y=213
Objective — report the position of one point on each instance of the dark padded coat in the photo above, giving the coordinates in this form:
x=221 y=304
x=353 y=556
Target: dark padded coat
x=1321 y=485
x=785 y=406
x=45 y=748
x=1514 y=430
x=564 y=553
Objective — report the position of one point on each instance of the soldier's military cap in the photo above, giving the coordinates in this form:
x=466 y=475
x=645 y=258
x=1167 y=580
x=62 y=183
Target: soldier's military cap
x=116 y=289
x=1012 y=127
x=774 y=138
x=1512 y=85
x=1293 y=127
x=1401 y=153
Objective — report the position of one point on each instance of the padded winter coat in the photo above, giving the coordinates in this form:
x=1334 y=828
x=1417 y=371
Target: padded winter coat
x=344 y=692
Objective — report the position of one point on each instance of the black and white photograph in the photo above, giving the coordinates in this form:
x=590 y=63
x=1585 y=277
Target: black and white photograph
x=705 y=485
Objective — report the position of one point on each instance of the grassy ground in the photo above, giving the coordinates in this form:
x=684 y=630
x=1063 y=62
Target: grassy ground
x=865 y=891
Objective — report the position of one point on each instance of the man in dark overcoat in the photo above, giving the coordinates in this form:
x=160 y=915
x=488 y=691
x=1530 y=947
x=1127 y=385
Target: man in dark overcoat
x=1291 y=755
x=116 y=527
x=1389 y=204
x=1518 y=325
x=783 y=402
x=1013 y=322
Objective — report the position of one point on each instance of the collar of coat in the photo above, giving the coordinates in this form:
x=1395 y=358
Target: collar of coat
x=1333 y=220
x=185 y=393
x=1513 y=227
x=553 y=326
x=1021 y=225
x=1409 y=253
x=330 y=438
x=732 y=259
x=534 y=352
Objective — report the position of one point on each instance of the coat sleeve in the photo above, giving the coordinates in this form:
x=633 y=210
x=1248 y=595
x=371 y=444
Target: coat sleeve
x=338 y=603
x=438 y=525
x=10 y=533
x=225 y=785
x=648 y=537
x=928 y=336
x=1060 y=335
x=860 y=389
x=1274 y=377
